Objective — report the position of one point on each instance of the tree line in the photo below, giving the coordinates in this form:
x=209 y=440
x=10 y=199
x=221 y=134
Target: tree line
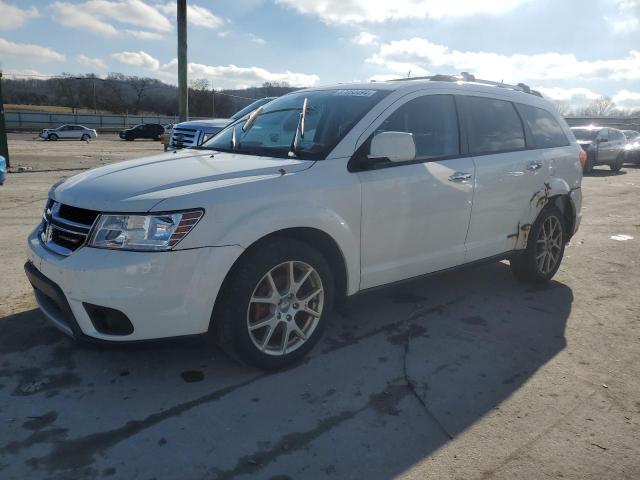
x=121 y=94
x=598 y=107
x=129 y=94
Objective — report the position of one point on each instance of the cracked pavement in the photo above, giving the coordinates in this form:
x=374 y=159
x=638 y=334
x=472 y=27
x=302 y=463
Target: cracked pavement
x=466 y=375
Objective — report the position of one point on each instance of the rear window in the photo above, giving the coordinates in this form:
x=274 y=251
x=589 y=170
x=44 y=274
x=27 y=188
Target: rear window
x=494 y=126
x=545 y=130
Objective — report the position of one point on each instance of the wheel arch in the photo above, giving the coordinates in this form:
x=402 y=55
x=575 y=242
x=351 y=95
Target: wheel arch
x=555 y=191
x=315 y=238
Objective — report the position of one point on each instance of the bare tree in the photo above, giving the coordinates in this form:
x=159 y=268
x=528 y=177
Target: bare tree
x=199 y=84
x=139 y=85
x=600 y=107
x=115 y=96
x=67 y=90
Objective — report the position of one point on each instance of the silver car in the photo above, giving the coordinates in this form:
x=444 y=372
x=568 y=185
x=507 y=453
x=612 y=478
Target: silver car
x=75 y=132
x=604 y=146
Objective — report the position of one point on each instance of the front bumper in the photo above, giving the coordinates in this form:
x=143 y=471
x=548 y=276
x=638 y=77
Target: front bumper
x=163 y=294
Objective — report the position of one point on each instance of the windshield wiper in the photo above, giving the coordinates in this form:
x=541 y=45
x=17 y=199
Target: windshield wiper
x=234 y=141
x=251 y=120
x=299 y=130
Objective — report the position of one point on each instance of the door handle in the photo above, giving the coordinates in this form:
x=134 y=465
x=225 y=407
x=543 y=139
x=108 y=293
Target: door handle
x=534 y=166
x=459 y=177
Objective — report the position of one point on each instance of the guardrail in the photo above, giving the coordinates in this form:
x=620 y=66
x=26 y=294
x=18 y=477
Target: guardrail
x=626 y=123
x=20 y=120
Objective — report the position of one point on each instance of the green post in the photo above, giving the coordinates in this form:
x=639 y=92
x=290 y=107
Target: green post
x=4 y=146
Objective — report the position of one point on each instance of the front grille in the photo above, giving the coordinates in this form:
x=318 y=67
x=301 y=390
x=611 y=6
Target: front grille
x=184 y=137
x=65 y=228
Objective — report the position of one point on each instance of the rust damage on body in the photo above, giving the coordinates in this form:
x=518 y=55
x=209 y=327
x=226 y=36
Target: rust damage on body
x=542 y=197
x=538 y=201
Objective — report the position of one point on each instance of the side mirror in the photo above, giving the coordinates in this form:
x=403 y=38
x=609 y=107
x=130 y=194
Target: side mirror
x=394 y=146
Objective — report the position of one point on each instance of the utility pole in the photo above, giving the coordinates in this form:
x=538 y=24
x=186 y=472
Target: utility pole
x=4 y=146
x=183 y=87
x=95 y=105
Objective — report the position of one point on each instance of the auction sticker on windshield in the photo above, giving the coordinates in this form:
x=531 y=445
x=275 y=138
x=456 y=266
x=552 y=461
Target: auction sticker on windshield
x=355 y=93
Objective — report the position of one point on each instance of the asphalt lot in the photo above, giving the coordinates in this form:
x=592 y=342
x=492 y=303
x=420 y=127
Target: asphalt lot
x=466 y=375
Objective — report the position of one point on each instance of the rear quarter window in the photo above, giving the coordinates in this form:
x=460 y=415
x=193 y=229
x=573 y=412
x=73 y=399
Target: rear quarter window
x=545 y=130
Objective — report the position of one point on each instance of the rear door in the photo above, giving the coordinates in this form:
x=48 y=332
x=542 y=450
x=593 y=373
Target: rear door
x=76 y=131
x=619 y=142
x=507 y=174
x=415 y=214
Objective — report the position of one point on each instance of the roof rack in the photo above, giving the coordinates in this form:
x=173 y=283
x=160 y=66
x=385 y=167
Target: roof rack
x=467 y=77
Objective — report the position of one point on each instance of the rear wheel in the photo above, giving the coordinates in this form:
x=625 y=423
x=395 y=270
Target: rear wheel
x=53 y=137
x=540 y=261
x=275 y=304
x=617 y=165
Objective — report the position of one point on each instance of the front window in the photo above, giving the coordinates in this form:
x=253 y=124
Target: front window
x=329 y=116
x=433 y=122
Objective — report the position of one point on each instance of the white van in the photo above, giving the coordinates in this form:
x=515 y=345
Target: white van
x=319 y=195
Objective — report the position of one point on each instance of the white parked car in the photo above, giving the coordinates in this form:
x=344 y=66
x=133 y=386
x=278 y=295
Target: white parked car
x=64 y=132
x=319 y=195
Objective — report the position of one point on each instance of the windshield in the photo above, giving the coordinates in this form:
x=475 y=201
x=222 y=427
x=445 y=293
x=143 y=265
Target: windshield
x=329 y=117
x=585 y=134
x=631 y=135
x=251 y=107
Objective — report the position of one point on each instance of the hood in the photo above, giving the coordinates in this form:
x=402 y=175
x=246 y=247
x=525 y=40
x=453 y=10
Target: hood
x=139 y=185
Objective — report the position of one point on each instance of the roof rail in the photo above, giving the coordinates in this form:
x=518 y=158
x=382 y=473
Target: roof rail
x=467 y=77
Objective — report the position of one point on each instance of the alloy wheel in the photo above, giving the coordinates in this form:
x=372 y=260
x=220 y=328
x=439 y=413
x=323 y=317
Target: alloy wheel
x=549 y=245
x=285 y=308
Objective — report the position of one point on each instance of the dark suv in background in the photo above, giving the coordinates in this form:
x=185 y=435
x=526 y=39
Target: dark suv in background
x=151 y=131
x=604 y=146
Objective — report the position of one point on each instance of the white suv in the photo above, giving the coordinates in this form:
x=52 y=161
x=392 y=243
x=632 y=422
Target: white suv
x=319 y=195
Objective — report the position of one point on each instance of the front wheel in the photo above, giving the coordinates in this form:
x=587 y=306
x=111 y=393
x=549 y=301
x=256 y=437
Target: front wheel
x=53 y=137
x=540 y=261
x=274 y=305
x=85 y=137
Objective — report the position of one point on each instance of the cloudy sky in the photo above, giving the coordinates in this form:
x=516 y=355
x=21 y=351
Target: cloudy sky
x=572 y=50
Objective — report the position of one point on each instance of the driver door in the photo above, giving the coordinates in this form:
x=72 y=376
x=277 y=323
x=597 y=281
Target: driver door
x=415 y=214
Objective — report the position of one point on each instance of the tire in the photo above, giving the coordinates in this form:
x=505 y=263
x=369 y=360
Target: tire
x=237 y=313
x=85 y=137
x=617 y=166
x=528 y=266
x=129 y=139
x=53 y=137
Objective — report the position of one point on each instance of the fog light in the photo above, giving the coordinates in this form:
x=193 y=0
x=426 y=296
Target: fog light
x=108 y=320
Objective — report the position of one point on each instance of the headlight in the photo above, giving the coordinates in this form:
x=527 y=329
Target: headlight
x=155 y=233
